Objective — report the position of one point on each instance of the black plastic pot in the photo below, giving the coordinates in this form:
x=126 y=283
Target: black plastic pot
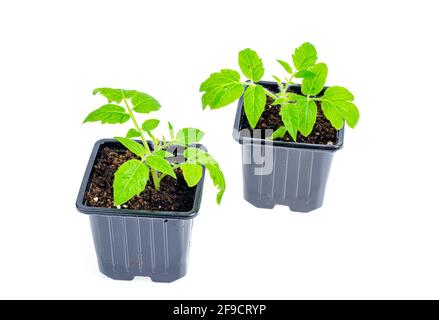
x=132 y=243
x=283 y=173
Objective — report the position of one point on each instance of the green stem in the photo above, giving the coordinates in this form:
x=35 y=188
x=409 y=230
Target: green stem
x=163 y=175
x=154 y=139
x=155 y=177
x=136 y=125
x=287 y=84
x=163 y=146
x=269 y=93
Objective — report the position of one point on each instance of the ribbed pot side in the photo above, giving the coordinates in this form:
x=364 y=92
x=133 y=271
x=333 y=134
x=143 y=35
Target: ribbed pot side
x=298 y=177
x=127 y=247
x=131 y=243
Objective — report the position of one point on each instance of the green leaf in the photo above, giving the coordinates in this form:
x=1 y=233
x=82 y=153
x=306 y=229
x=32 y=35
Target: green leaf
x=144 y=103
x=132 y=133
x=198 y=156
x=302 y=74
x=331 y=113
x=279 y=133
x=314 y=85
x=188 y=136
x=251 y=65
x=164 y=154
x=279 y=101
x=171 y=131
x=305 y=56
x=161 y=164
x=195 y=155
x=150 y=124
x=338 y=93
x=307 y=116
x=129 y=181
x=218 y=180
x=286 y=66
x=133 y=146
x=296 y=97
x=254 y=104
x=192 y=173
x=114 y=95
x=109 y=113
x=350 y=113
x=290 y=115
x=279 y=81
x=336 y=111
x=337 y=107
x=221 y=89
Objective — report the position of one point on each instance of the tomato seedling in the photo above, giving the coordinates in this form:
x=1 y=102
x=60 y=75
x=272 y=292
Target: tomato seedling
x=298 y=111
x=153 y=157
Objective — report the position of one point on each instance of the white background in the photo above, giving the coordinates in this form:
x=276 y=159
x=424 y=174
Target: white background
x=377 y=234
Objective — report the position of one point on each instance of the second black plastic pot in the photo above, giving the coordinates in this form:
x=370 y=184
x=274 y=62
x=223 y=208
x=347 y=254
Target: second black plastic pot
x=132 y=243
x=283 y=173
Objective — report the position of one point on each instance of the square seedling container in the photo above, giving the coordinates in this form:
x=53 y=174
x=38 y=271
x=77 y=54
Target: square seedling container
x=283 y=173
x=132 y=243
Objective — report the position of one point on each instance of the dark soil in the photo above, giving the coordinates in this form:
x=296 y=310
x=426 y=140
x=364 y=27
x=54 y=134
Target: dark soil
x=174 y=195
x=323 y=132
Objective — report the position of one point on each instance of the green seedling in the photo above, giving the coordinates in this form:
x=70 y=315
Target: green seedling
x=298 y=111
x=154 y=158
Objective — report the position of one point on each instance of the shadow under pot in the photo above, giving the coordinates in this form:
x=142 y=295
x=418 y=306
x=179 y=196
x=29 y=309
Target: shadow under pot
x=284 y=172
x=130 y=243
